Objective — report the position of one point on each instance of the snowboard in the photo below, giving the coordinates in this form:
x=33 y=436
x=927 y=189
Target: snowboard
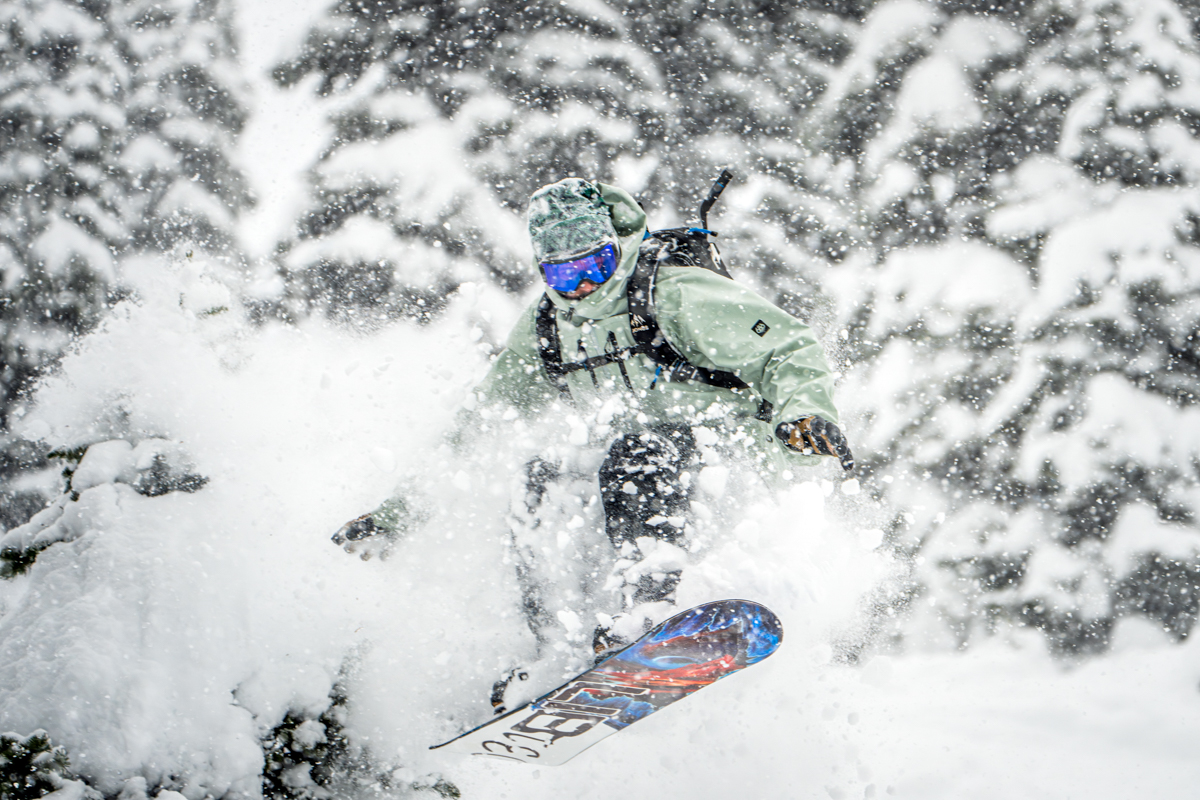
x=678 y=657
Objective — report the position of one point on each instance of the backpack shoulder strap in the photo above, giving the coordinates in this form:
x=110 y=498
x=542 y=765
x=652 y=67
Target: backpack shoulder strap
x=651 y=342
x=648 y=336
x=549 y=347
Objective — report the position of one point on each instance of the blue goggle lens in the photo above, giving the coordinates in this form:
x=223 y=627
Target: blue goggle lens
x=597 y=267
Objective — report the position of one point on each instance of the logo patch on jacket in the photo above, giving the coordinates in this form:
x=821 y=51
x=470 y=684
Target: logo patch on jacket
x=761 y=328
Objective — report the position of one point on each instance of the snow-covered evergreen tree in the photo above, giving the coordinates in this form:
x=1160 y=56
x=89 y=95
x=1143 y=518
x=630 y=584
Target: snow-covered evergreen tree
x=117 y=119
x=912 y=163
x=1020 y=293
x=447 y=115
x=995 y=196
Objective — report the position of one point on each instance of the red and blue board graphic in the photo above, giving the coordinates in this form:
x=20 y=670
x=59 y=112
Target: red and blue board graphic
x=682 y=655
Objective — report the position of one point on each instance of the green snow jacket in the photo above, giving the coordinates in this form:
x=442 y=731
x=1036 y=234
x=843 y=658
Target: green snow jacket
x=713 y=321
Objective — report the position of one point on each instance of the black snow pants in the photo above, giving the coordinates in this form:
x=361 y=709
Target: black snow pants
x=646 y=494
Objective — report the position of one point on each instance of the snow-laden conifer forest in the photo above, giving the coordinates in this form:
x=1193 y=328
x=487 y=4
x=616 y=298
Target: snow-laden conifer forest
x=254 y=256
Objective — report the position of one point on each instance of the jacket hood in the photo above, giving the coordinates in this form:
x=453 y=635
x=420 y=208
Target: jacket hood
x=568 y=219
x=629 y=220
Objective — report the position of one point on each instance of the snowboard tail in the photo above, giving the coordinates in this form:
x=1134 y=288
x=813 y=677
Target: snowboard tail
x=678 y=657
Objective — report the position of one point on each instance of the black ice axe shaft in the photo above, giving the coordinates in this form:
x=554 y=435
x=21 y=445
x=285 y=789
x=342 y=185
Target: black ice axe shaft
x=713 y=193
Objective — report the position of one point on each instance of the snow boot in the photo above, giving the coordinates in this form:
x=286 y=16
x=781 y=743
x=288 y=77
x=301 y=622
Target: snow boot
x=500 y=689
x=607 y=642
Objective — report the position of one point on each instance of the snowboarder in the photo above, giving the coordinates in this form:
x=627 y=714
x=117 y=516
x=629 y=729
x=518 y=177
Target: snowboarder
x=632 y=313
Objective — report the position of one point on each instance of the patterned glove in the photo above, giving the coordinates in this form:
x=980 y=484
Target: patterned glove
x=814 y=435
x=375 y=533
x=356 y=530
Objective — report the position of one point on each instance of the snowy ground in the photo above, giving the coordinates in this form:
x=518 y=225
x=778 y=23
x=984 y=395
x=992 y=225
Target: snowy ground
x=172 y=632
x=986 y=725
x=999 y=723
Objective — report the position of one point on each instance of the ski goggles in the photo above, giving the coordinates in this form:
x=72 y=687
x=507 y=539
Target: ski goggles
x=596 y=266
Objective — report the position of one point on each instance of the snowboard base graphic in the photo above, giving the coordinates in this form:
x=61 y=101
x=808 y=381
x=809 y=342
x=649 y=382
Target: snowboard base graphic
x=680 y=656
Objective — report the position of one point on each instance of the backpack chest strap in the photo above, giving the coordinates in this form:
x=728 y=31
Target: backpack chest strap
x=549 y=347
x=550 y=350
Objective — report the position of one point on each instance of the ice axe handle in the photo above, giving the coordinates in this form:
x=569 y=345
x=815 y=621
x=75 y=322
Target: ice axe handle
x=713 y=193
